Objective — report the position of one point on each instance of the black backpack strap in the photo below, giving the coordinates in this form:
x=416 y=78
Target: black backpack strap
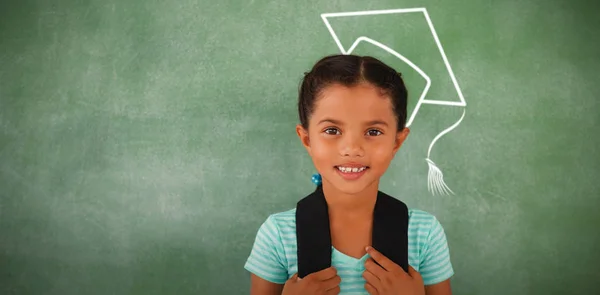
x=313 y=234
x=390 y=231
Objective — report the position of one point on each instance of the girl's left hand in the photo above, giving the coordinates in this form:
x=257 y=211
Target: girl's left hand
x=391 y=279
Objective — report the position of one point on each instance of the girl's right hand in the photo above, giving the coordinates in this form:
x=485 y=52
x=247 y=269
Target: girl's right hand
x=324 y=282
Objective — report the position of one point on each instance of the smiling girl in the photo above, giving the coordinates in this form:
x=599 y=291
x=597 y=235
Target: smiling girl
x=352 y=112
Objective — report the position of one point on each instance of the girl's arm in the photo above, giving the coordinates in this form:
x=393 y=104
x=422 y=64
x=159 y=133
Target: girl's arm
x=442 y=288
x=259 y=286
x=267 y=262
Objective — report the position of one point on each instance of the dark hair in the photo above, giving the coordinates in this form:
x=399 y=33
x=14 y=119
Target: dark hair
x=350 y=70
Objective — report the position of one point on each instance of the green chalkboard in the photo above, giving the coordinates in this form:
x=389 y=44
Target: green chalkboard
x=142 y=143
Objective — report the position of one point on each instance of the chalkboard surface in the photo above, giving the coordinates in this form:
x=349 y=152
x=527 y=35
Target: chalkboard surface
x=142 y=143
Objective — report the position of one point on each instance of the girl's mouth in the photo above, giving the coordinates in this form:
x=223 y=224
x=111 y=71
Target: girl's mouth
x=351 y=173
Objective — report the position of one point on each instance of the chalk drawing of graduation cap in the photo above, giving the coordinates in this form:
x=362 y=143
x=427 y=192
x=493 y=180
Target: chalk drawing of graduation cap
x=435 y=179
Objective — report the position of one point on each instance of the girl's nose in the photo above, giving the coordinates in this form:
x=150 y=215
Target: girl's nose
x=352 y=146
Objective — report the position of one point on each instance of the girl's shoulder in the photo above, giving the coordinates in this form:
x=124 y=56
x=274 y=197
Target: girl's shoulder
x=422 y=225
x=283 y=220
x=421 y=218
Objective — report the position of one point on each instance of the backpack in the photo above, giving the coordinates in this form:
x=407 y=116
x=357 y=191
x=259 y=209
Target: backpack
x=390 y=231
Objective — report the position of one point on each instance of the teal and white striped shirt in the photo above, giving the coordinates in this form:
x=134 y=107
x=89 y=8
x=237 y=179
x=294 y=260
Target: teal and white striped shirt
x=273 y=255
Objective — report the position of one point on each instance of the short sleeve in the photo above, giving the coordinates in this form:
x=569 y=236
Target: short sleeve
x=435 y=264
x=267 y=257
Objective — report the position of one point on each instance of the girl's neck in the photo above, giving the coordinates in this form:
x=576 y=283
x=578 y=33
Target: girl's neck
x=350 y=206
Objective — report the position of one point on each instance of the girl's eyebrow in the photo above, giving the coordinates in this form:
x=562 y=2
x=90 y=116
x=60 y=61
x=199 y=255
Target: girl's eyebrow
x=369 y=123
x=376 y=122
x=332 y=121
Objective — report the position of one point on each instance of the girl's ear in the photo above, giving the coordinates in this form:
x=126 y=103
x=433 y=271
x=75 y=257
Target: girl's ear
x=303 y=135
x=400 y=138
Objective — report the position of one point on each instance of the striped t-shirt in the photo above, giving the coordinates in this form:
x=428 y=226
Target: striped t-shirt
x=273 y=255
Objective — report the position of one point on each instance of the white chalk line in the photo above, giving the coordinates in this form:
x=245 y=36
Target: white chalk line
x=423 y=10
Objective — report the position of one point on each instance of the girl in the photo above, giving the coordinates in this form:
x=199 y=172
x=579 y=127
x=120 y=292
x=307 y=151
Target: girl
x=352 y=113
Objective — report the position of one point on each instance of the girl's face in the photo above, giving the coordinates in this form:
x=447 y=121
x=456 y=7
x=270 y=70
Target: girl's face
x=352 y=137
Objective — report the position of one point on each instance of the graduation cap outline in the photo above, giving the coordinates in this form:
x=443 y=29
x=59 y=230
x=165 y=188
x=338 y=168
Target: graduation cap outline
x=435 y=178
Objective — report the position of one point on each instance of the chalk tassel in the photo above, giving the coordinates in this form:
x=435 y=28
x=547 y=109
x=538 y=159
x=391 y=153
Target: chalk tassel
x=435 y=177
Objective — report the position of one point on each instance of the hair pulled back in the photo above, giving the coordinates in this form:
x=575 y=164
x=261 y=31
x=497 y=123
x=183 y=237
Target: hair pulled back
x=350 y=70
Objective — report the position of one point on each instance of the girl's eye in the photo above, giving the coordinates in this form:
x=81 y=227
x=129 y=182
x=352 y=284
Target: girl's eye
x=332 y=131
x=374 y=132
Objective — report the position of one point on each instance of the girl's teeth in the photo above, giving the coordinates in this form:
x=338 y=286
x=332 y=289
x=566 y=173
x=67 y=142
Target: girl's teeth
x=354 y=170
